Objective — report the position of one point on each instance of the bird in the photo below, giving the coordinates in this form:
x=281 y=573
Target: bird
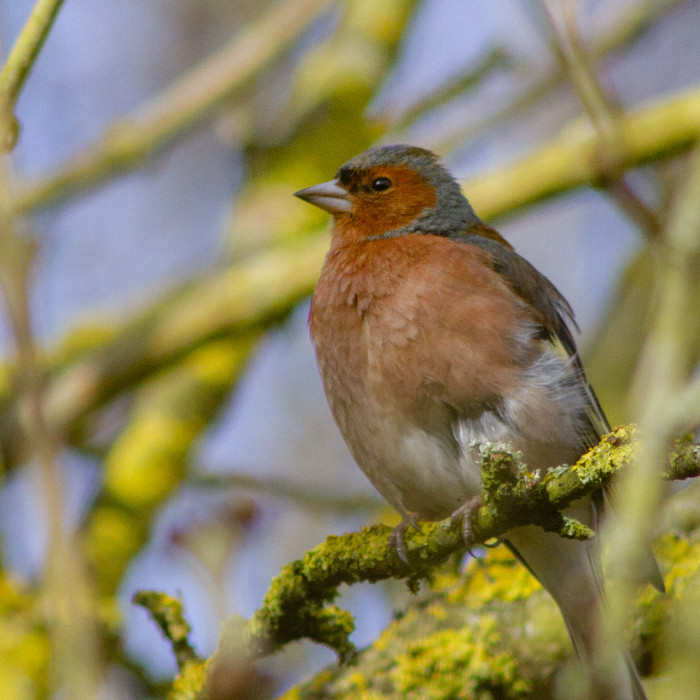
x=432 y=335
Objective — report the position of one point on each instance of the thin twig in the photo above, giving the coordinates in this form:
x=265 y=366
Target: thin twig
x=300 y=494
x=167 y=612
x=19 y=64
x=494 y=59
x=69 y=606
x=628 y=29
x=603 y=110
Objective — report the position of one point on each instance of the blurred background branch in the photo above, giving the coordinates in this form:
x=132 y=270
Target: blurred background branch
x=19 y=64
x=602 y=109
x=170 y=115
x=663 y=372
x=628 y=27
x=646 y=133
x=69 y=606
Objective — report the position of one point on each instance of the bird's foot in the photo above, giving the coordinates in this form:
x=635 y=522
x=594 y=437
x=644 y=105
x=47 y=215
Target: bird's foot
x=464 y=515
x=397 y=537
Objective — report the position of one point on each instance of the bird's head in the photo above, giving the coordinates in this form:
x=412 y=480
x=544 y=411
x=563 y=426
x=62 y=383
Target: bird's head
x=393 y=190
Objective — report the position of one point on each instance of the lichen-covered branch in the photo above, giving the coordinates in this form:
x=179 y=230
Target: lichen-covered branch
x=684 y=460
x=168 y=614
x=646 y=133
x=19 y=64
x=493 y=632
x=298 y=601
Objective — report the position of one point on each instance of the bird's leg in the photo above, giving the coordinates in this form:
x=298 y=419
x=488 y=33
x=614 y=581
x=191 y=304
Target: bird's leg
x=396 y=539
x=465 y=515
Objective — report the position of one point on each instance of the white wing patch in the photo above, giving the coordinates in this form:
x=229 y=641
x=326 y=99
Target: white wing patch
x=545 y=419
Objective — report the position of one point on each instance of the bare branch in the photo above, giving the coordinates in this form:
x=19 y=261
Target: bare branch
x=603 y=110
x=19 y=64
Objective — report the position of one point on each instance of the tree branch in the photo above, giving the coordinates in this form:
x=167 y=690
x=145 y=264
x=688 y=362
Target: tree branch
x=302 y=495
x=67 y=592
x=647 y=133
x=167 y=613
x=295 y=604
x=20 y=62
x=603 y=110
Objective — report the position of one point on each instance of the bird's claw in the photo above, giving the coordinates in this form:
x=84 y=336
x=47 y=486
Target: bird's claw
x=397 y=537
x=465 y=516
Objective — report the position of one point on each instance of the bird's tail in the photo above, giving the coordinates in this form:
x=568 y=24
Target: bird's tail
x=570 y=570
x=621 y=679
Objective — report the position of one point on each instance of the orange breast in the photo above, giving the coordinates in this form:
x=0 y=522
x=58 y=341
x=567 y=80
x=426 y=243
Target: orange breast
x=416 y=319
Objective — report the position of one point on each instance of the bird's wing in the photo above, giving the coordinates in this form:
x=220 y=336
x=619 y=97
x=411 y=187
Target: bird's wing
x=553 y=313
x=554 y=316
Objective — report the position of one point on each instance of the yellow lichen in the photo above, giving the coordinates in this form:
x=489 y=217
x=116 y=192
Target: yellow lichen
x=496 y=576
x=189 y=684
x=437 y=611
x=457 y=663
x=25 y=648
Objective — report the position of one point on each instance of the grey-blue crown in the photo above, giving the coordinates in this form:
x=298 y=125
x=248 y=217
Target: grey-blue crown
x=452 y=213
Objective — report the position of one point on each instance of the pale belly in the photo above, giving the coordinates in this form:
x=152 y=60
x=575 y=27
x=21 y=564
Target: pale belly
x=429 y=468
x=424 y=460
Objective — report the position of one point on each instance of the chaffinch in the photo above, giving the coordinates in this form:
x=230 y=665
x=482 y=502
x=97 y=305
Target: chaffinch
x=431 y=334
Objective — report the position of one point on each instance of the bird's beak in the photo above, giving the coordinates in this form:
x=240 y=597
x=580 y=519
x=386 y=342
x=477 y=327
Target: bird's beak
x=328 y=195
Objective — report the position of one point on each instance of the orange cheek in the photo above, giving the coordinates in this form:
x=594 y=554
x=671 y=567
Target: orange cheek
x=397 y=208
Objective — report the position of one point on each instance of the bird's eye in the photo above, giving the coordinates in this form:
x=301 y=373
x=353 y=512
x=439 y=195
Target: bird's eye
x=379 y=184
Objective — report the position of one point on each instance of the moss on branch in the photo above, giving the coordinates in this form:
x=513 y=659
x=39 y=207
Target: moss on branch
x=298 y=603
x=494 y=632
x=684 y=459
